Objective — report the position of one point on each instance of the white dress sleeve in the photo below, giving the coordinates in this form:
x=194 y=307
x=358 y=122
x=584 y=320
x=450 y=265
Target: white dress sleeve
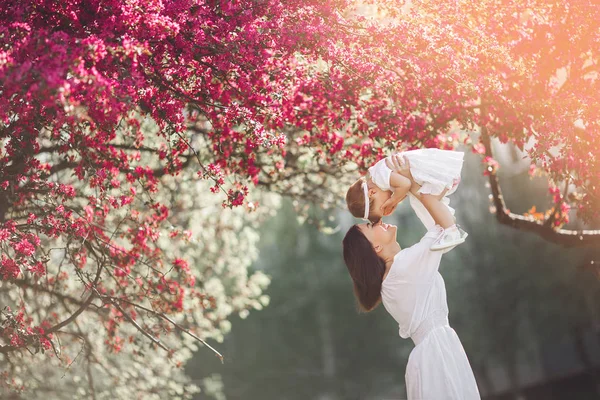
x=417 y=264
x=380 y=175
x=421 y=211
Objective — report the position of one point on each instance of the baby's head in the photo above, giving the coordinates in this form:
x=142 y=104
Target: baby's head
x=355 y=198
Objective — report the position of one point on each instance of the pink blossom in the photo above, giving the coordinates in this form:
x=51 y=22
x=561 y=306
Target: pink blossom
x=9 y=269
x=37 y=269
x=24 y=247
x=4 y=234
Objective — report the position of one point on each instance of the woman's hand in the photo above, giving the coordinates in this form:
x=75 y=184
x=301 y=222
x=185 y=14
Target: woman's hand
x=388 y=207
x=399 y=167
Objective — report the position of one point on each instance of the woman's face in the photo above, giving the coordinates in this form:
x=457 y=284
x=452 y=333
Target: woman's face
x=380 y=235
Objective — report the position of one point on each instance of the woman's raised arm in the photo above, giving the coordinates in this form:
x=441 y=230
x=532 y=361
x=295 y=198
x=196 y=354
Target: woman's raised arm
x=439 y=211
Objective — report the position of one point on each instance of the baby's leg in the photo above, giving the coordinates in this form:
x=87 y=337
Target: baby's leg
x=452 y=235
x=438 y=210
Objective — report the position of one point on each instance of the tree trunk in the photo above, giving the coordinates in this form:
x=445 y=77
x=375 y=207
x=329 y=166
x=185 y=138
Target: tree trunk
x=327 y=349
x=485 y=380
x=3 y=206
x=325 y=335
x=584 y=356
x=513 y=377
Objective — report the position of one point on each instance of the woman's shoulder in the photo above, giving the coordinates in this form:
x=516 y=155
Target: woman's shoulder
x=414 y=264
x=422 y=247
x=398 y=263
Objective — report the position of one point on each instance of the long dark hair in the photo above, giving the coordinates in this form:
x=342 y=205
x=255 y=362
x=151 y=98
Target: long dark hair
x=366 y=268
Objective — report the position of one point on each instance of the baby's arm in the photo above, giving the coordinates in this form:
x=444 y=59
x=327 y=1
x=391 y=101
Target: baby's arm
x=400 y=187
x=399 y=183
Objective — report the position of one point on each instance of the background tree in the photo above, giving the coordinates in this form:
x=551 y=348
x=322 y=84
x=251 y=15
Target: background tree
x=110 y=110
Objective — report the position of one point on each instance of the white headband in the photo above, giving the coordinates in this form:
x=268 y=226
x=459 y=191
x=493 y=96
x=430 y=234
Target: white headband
x=366 y=190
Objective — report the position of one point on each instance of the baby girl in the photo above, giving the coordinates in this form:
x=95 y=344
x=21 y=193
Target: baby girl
x=389 y=181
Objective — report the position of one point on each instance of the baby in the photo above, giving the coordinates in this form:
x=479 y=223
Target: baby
x=389 y=182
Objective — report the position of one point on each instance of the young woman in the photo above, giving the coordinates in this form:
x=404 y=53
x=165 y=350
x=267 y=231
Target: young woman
x=412 y=290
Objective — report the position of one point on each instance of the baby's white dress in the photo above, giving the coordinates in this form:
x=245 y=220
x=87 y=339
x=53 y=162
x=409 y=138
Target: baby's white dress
x=434 y=169
x=414 y=293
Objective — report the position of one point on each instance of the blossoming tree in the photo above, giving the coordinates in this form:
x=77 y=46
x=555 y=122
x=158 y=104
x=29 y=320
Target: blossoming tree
x=140 y=137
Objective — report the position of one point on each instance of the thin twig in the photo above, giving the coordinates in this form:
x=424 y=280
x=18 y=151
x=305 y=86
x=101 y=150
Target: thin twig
x=139 y=328
x=175 y=324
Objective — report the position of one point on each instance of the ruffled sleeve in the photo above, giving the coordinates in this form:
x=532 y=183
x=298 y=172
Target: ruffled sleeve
x=380 y=175
x=421 y=211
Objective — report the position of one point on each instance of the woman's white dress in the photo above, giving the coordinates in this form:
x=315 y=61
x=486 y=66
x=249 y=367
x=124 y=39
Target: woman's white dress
x=414 y=294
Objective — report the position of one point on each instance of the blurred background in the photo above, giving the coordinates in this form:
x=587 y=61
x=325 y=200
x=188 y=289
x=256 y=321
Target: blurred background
x=527 y=311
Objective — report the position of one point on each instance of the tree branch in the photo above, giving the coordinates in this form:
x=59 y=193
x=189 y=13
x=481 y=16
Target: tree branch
x=84 y=305
x=138 y=327
x=163 y=316
x=37 y=287
x=565 y=237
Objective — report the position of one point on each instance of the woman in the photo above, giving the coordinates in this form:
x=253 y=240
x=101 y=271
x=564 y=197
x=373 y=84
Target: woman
x=412 y=290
